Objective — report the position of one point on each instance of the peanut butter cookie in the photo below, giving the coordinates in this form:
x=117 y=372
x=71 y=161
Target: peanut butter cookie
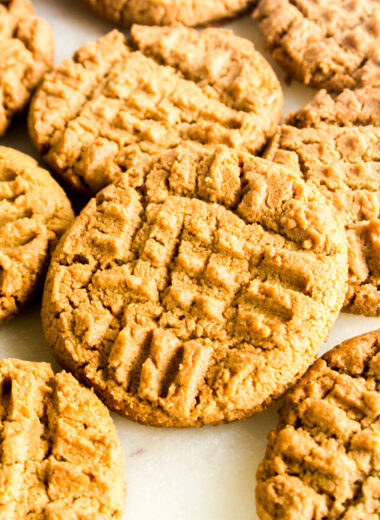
x=333 y=44
x=166 y=12
x=167 y=86
x=61 y=457
x=34 y=212
x=181 y=312
x=336 y=145
x=26 y=53
x=322 y=461
x=360 y=107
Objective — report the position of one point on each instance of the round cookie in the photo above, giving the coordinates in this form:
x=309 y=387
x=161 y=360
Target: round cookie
x=181 y=312
x=61 y=456
x=336 y=145
x=177 y=86
x=26 y=53
x=332 y=44
x=34 y=213
x=322 y=460
x=166 y=12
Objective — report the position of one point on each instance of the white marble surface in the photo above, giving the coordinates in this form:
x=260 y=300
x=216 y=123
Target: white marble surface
x=206 y=474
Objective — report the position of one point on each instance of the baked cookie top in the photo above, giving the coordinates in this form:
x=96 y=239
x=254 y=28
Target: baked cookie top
x=322 y=460
x=34 y=212
x=343 y=161
x=26 y=53
x=181 y=312
x=360 y=107
x=332 y=44
x=61 y=456
x=166 y=12
x=167 y=86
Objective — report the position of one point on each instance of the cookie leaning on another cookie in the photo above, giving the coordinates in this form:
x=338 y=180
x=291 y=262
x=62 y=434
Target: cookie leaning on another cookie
x=343 y=161
x=322 y=461
x=178 y=85
x=34 y=213
x=166 y=12
x=180 y=312
x=26 y=53
x=61 y=457
x=330 y=44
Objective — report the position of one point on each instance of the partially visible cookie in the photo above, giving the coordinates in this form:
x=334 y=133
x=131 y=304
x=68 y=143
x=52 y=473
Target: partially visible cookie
x=26 y=53
x=323 y=459
x=166 y=12
x=180 y=312
x=168 y=86
x=60 y=455
x=330 y=44
x=34 y=213
x=344 y=162
x=358 y=107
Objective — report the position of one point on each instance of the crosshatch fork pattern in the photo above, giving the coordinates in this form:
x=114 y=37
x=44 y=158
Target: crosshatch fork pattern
x=181 y=311
x=59 y=453
x=344 y=162
x=165 y=87
x=343 y=51
x=34 y=212
x=322 y=460
x=26 y=54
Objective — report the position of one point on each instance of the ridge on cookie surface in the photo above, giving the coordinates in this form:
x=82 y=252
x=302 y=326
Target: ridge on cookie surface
x=351 y=108
x=336 y=145
x=168 y=85
x=325 y=44
x=322 y=460
x=26 y=53
x=166 y=12
x=180 y=311
x=34 y=213
x=61 y=456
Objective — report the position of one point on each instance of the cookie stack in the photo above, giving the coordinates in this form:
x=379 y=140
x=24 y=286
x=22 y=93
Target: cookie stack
x=214 y=254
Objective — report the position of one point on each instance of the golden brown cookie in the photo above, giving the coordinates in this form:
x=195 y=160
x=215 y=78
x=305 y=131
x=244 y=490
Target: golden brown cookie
x=34 y=212
x=333 y=44
x=26 y=53
x=169 y=85
x=322 y=460
x=337 y=147
x=166 y=12
x=181 y=312
x=61 y=456
x=360 y=107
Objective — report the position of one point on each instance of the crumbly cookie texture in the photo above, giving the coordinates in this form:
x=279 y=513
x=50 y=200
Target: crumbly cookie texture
x=34 y=213
x=358 y=107
x=26 y=53
x=337 y=147
x=94 y=111
x=322 y=461
x=166 y=12
x=181 y=312
x=61 y=457
x=334 y=44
